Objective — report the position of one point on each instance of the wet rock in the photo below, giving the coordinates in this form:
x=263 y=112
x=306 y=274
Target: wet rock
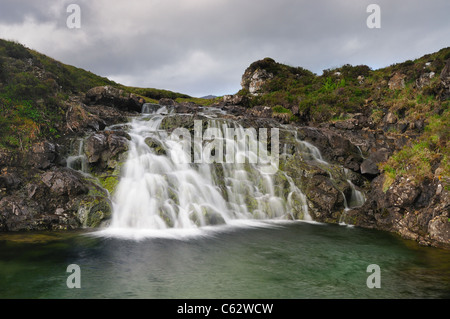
x=324 y=196
x=100 y=148
x=94 y=212
x=155 y=145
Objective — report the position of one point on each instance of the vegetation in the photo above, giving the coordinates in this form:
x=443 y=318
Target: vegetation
x=418 y=109
x=34 y=90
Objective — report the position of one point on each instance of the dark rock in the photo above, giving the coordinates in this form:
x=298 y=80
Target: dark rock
x=110 y=96
x=65 y=182
x=42 y=155
x=167 y=102
x=324 y=195
x=10 y=180
x=104 y=146
x=370 y=165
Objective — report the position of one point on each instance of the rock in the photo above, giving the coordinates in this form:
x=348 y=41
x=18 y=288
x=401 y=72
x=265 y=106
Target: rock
x=445 y=81
x=397 y=81
x=256 y=76
x=150 y=108
x=79 y=119
x=100 y=148
x=324 y=196
x=425 y=80
x=345 y=125
x=390 y=118
x=110 y=96
x=235 y=100
x=167 y=102
x=155 y=145
x=65 y=182
x=94 y=212
x=370 y=165
x=42 y=155
x=402 y=193
x=439 y=229
x=10 y=179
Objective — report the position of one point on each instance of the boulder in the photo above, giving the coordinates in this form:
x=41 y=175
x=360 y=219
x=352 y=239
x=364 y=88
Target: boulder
x=397 y=81
x=65 y=182
x=370 y=165
x=42 y=155
x=100 y=148
x=110 y=96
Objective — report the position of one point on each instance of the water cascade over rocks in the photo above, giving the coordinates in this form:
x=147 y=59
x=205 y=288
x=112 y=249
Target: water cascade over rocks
x=207 y=172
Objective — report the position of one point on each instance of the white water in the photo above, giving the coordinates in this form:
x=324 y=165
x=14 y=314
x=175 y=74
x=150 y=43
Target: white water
x=164 y=191
x=169 y=190
x=78 y=161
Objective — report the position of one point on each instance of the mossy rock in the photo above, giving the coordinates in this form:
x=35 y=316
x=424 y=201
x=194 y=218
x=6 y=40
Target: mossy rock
x=94 y=211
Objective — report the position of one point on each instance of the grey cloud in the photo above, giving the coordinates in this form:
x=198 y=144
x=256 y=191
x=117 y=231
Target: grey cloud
x=202 y=46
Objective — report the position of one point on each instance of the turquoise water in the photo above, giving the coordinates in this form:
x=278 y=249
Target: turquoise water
x=257 y=260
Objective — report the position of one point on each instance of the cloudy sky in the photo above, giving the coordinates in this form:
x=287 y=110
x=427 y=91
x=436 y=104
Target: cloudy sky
x=201 y=47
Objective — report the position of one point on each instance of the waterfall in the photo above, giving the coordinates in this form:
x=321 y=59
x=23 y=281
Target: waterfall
x=77 y=161
x=166 y=189
x=215 y=173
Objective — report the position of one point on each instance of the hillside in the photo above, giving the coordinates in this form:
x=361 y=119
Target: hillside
x=35 y=91
x=408 y=100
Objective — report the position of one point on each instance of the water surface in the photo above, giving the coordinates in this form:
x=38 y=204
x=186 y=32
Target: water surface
x=250 y=259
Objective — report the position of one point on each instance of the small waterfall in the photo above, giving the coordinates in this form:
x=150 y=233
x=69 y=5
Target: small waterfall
x=78 y=161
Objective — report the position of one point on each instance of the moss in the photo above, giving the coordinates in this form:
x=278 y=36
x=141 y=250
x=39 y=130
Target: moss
x=109 y=183
x=93 y=211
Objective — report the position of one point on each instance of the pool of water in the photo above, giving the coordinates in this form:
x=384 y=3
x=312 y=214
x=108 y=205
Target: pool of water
x=275 y=260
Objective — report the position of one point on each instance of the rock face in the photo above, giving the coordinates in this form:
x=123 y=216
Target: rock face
x=416 y=212
x=49 y=200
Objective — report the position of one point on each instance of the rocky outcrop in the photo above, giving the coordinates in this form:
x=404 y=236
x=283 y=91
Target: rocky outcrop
x=256 y=76
x=397 y=81
x=49 y=200
x=416 y=212
x=103 y=148
x=110 y=96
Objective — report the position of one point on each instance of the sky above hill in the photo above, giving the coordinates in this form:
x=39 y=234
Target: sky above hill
x=202 y=47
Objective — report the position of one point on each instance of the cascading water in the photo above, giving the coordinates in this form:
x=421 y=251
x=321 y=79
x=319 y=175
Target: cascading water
x=160 y=190
x=78 y=161
x=166 y=185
